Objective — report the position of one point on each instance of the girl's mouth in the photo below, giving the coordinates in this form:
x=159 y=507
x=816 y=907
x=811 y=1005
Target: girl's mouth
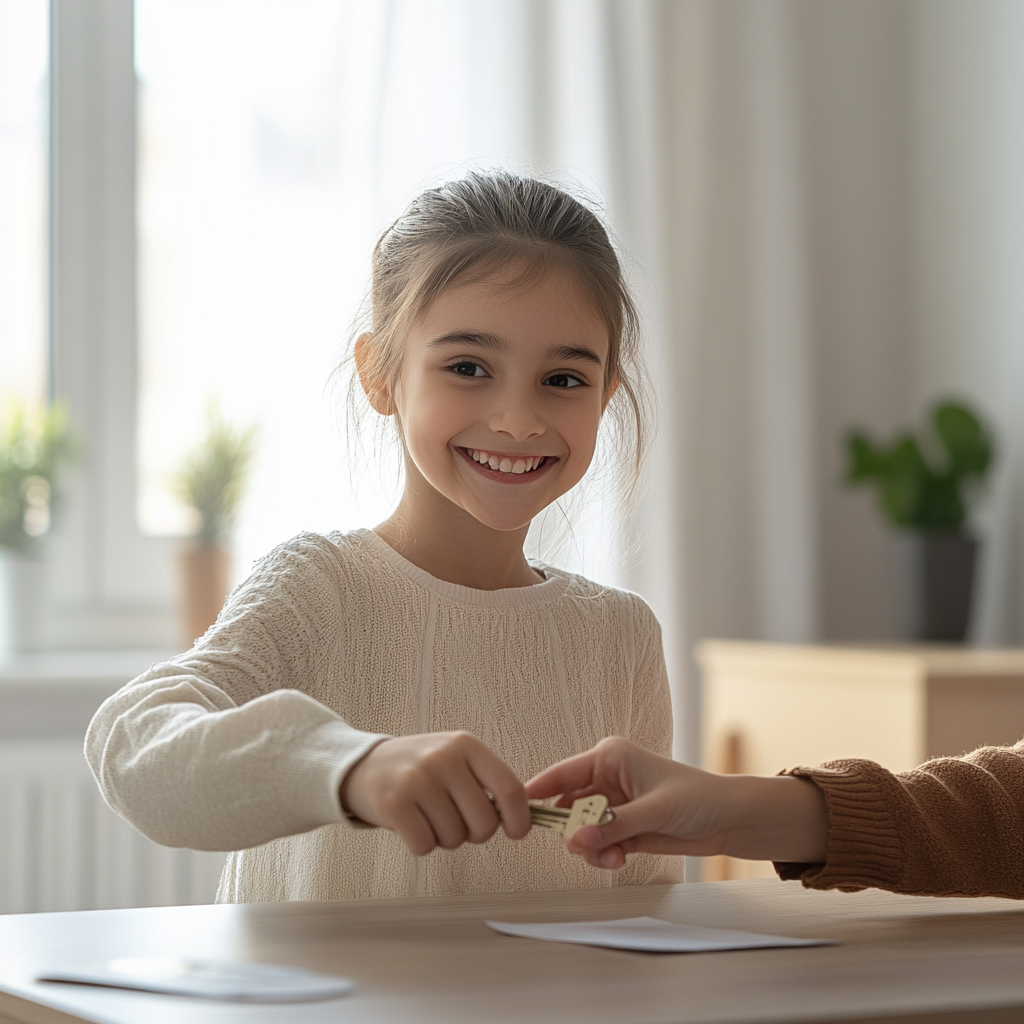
x=508 y=468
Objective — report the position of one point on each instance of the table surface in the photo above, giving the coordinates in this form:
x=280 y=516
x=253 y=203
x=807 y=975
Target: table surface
x=434 y=960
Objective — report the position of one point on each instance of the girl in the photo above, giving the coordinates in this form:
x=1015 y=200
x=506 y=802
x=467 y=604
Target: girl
x=345 y=683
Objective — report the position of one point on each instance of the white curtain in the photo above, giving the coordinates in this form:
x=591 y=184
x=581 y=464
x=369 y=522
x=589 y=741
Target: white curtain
x=826 y=196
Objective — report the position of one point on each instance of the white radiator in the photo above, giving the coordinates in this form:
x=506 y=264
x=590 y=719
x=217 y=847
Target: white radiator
x=62 y=848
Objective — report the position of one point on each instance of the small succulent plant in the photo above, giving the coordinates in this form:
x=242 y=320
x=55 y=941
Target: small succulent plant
x=925 y=484
x=35 y=446
x=213 y=478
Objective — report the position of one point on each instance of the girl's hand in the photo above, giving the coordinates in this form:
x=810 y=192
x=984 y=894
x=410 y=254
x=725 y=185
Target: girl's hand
x=432 y=790
x=662 y=806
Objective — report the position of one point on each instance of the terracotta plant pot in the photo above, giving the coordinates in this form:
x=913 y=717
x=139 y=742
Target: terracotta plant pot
x=204 y=586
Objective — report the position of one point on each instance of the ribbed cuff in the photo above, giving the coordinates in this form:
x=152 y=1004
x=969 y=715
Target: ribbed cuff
x=331 y=751
x=863 y=848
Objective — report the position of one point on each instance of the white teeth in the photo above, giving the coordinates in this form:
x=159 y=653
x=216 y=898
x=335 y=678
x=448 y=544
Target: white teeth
x=505 y=464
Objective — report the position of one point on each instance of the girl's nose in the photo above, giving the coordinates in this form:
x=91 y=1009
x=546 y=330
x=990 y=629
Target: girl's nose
x=516 y=419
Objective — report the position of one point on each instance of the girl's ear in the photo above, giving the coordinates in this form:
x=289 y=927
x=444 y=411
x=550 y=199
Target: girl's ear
x=377 y=392
x=610 y=393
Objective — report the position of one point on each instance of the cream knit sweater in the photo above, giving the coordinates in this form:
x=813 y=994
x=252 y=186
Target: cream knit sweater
x=333 y=642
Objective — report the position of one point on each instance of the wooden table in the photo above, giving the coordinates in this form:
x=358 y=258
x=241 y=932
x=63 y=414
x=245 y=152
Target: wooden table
x=433 y=960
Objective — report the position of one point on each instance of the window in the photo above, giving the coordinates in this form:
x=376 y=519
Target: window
x=220 y=175
x=276 y=141
x=24 y=126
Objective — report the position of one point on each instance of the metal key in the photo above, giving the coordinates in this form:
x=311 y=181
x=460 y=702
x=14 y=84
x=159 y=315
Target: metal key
x=588 y=810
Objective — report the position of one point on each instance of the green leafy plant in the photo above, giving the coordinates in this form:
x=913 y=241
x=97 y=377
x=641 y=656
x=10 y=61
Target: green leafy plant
x=925 y=485
x=34 y=448
x=213 y=478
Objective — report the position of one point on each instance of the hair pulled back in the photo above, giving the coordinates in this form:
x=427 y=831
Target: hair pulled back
x=489 y=221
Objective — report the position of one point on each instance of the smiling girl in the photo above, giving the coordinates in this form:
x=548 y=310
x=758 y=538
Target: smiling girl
x=362 y=696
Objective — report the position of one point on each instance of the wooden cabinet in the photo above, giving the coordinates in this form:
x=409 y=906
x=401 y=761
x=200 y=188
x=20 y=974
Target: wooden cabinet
x=770 y=706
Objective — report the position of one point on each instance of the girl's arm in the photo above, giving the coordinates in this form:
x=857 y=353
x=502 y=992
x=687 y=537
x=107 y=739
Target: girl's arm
x=185 y=764
x=953 y=827
x=219 y=749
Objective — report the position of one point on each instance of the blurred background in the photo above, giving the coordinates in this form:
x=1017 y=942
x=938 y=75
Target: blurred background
x=821 y=209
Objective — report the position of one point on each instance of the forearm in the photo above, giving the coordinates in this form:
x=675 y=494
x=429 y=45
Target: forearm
x=780 y=819
x=184 y=765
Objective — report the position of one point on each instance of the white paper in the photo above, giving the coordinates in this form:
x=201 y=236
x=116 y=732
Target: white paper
x=649 y=934
x=232 y=980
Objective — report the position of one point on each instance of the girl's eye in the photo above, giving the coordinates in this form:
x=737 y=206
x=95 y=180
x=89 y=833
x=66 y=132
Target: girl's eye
x=467 y=368
x=564 y=380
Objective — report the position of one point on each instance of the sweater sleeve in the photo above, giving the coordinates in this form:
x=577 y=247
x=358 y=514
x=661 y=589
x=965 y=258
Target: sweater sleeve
x=219 y=749
x=651 y=728
x=953 y=827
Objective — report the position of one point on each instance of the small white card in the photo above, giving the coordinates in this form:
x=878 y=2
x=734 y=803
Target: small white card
x=649 y=934
x=232 y=980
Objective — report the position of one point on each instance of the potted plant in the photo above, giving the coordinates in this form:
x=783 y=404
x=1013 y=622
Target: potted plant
x=924 y=489
x=35 y=446
x=211 y=482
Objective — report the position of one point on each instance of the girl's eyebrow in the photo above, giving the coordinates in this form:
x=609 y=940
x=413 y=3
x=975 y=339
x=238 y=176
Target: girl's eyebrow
x=573 y=352
x=492 y=341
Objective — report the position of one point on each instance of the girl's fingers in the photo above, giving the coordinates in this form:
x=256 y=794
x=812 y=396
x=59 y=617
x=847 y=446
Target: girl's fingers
x=477 y=812
x=415 y=831
x=432 y=790
x=493 y=775
x=443 y=816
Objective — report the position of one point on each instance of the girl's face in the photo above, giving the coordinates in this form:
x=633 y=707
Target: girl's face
x=501 y=394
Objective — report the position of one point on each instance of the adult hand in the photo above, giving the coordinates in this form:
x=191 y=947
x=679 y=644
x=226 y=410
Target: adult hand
x=649 y=794
x=662 y=806
x=432 y=790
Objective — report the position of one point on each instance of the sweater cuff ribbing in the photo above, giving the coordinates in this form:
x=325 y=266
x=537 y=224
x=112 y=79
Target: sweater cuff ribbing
x=863 y=847
x=329 y=754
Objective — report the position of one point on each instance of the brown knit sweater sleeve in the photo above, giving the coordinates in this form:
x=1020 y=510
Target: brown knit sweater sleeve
x=953 y=827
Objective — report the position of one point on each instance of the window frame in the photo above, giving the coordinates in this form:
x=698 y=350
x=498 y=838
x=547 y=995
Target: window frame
x=109 y=586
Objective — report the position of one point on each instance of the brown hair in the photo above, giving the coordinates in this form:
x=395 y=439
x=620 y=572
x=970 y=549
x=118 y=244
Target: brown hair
x=483 y=223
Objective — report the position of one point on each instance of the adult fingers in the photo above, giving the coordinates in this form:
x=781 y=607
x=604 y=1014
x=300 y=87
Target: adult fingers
x=572 y=774
x=643 y=815
x=586 y=846
x=614 y=856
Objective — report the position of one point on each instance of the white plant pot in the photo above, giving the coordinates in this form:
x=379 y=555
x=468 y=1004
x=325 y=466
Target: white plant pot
x=22 y=591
